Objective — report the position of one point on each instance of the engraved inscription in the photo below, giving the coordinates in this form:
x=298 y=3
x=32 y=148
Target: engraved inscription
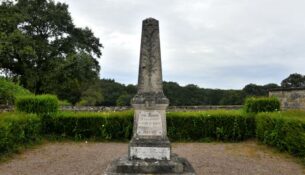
x=149 y=123
x=157 y=153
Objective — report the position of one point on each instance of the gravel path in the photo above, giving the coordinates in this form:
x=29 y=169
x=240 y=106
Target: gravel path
x=78 y=158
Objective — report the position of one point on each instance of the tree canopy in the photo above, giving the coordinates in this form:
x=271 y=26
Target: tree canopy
x=293 y=81
x=41 y=47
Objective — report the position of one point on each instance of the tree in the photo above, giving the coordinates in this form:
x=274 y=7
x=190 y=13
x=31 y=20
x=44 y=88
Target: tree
x=254 y=90
x=293 y=80
x=111 y=91
x=38 y=38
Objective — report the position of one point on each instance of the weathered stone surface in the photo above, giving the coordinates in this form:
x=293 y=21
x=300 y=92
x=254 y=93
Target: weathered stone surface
x=149 y=149
x=125 y=166
x=290 y=98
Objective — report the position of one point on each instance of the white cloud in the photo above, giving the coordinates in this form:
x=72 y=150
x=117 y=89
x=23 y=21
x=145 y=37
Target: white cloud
x=212 y=43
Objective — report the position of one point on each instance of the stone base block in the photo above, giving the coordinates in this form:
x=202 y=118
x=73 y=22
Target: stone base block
x=156 y=148
x=175 y=166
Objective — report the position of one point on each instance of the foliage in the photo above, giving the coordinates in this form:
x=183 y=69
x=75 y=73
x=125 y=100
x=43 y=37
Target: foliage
x=262 y=104
x=217 y=124
x=284 y=130
x=40 y=104
x=92 y=96
x=124 y=100
x=93 y=125
x=17 y=130
x=293 y=81
x=113 y=90
x=258 y=90
x=40 y=43
x=220 y=125
x=9 y=91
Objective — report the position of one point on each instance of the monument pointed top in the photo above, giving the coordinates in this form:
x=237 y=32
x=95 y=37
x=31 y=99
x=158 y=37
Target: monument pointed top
x=150 y=19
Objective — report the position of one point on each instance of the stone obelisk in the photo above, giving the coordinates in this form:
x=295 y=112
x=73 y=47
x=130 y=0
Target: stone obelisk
x=149 y=135
x=149 y=149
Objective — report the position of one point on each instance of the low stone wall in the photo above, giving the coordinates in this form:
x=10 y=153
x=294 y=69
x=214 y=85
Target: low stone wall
x=5 y=108
x=170 y=108
x=290 y=98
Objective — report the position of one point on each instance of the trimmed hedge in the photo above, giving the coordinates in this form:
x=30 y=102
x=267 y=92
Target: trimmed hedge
x=262 y=104
x=91 y=125
x=220 y=125
x=40 y=104
x=284 y=130
x=17 y=130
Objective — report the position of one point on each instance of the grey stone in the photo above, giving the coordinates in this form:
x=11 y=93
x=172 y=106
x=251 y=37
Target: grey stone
x=149 y=149
x=125 y=166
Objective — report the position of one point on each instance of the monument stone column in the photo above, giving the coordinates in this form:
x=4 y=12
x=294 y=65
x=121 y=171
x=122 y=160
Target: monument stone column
x=149 y=149
x=150 y=134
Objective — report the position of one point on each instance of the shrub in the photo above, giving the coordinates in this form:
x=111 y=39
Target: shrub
x=9 y=91
x=284 y=130
x=93 y=125
x=217 y=124
x=17 y=130
x=220 y=125
x=262 y=104
x=40 y=104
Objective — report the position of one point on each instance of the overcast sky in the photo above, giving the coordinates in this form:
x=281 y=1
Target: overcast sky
x=222 y=44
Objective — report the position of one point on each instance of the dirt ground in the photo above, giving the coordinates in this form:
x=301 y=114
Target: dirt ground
x=80 y=158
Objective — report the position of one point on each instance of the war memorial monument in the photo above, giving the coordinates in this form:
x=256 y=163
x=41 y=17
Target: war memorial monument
x=149 y=149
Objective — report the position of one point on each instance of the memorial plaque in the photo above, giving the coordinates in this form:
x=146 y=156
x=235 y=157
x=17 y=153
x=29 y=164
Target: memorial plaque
x=157 y=153
x=149 y=123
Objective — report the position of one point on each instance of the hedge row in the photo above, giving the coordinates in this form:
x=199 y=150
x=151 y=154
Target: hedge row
x=284 y=130
x=220 y=125
x=17 y=130
x=39 y=104
x=262 y=104
x=217 y=124
x=90 y=125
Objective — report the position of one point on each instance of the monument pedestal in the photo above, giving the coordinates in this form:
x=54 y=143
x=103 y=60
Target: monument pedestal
x=175 y=166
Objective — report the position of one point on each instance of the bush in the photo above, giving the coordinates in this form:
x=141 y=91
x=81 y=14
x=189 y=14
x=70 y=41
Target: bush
x=220 y=125
x=262 y=104
x=9 y=91
x=284 y=130
x=17 y=130
x=40 y=104
x=91 y=125
x=217 y=124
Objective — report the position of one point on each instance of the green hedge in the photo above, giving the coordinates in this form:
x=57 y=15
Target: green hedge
x=91 y=125
x=262 y=104
x=40 y=104
x=220 y=125
x=284 y=130
x=18 y=130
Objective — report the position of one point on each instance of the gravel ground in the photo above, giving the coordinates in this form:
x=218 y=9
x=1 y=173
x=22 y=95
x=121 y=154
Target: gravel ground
x=78 y=158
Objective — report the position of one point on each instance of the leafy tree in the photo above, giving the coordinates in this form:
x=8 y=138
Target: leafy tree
x=124 y=100
x=111 y=91
x=38 y=38
x=254 y=90
x=293 y=80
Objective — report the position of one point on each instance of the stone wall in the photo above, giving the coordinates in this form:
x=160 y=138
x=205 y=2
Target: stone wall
x=290 y=98
x=4 y=108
